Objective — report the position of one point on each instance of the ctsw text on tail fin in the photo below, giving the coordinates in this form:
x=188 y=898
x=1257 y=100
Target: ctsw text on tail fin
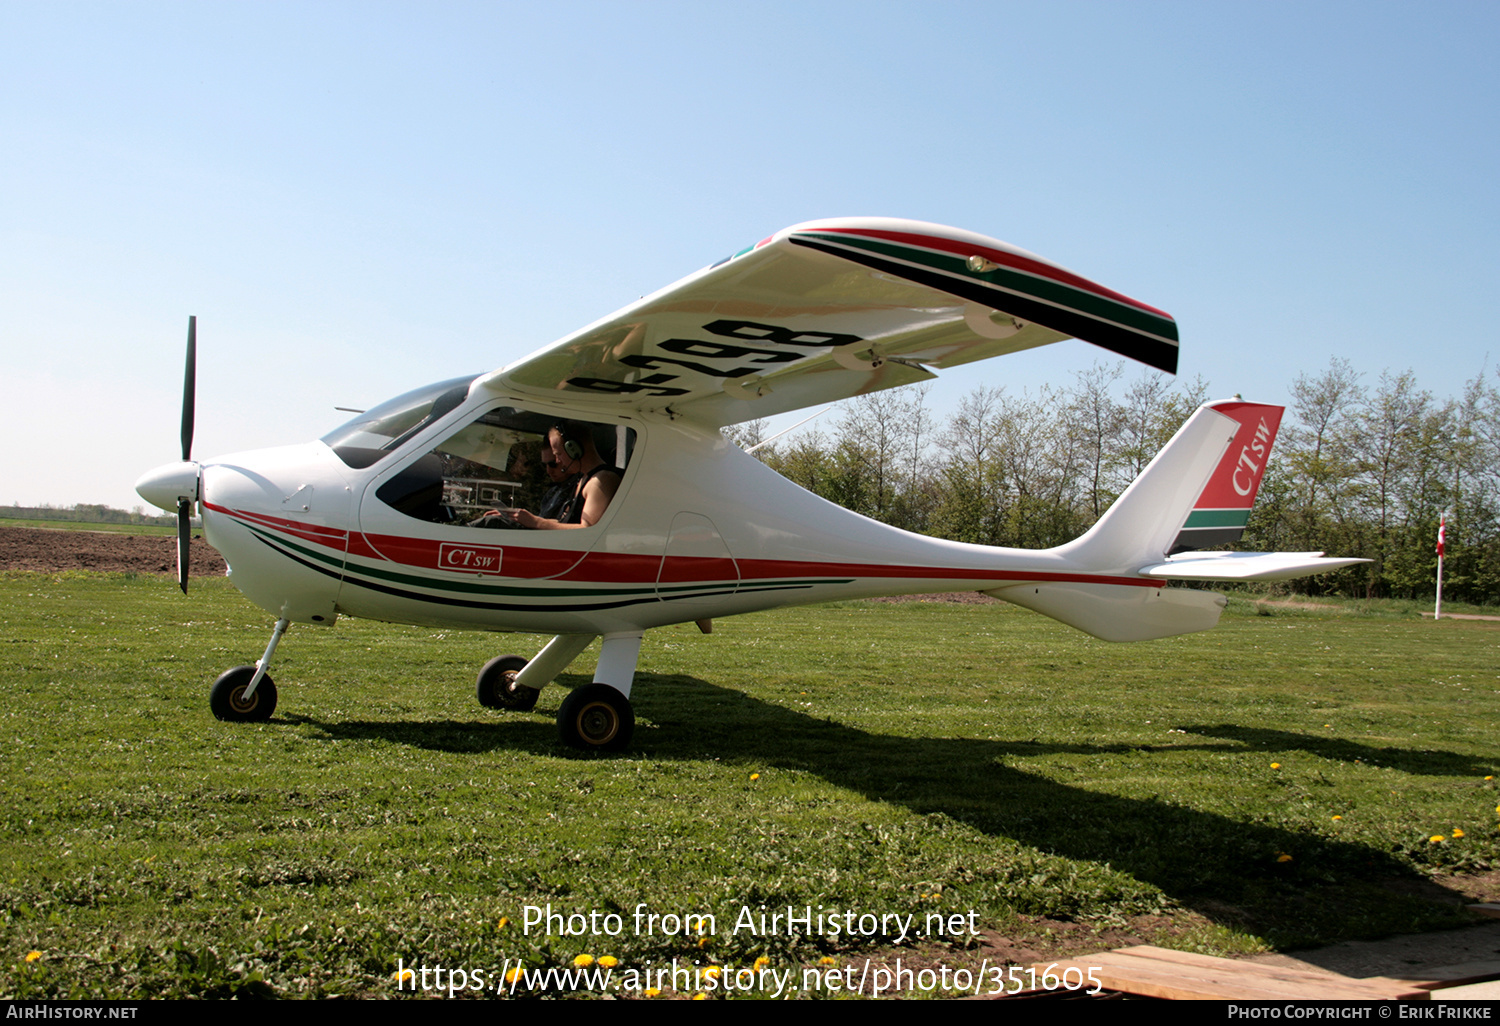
x=1222 y=511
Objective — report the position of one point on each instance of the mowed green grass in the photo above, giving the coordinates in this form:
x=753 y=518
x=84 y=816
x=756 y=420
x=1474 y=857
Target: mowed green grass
x=911 y=758
x=155 y=530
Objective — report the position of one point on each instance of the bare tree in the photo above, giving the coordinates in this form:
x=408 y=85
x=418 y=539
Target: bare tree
x=1097 y=422
x=970 y=505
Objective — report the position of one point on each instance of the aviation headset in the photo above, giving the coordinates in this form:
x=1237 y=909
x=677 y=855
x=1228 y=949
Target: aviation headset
x=572 y=437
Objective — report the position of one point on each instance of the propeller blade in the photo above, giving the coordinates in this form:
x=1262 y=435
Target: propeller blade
x=189 y=388
x=185 y=507
x=184 y=541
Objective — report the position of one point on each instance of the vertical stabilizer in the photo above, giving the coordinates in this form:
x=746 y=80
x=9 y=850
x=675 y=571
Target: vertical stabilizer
x=1192 y=471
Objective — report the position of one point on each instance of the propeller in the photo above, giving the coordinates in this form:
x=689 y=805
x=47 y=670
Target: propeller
x=184 y=504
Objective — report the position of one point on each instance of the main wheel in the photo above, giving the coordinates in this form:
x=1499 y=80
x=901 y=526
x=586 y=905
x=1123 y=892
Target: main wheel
x=497 y=688
x=596 y=718
x=227 y=697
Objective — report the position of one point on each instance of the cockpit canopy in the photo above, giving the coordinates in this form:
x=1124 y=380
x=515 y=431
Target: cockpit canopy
x=492 y=462
x=374 y=434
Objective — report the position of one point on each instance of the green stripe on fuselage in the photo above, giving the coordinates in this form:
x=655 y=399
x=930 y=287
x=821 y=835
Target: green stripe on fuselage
x=626 y=591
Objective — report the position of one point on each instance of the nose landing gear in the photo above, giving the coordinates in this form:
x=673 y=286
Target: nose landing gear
x=229 y=701
x=246 y=694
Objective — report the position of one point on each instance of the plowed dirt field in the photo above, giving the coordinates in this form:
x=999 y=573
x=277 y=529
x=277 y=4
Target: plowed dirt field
x=30 y=548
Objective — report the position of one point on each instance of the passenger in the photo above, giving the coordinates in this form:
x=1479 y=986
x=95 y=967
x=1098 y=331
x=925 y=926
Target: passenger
x=594 y=486
x=521 y=472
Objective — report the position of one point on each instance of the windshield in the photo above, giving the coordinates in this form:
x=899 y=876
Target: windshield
x=367 y=438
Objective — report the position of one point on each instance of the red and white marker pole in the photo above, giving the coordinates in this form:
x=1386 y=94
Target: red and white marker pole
x=1437 y=612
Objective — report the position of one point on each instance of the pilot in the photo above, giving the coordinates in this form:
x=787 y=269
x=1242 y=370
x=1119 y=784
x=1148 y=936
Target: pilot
x=562 y=488
x=594 y=486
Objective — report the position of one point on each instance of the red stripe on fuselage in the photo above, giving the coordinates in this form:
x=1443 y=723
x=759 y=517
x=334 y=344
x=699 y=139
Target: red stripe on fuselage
x=519 y=561
x=328 y=537
x=524 y=561
x=762 y=569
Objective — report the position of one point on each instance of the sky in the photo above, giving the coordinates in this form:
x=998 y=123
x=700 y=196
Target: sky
x=359 y=198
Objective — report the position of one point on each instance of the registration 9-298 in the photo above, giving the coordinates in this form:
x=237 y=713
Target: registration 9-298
x=1072 y=978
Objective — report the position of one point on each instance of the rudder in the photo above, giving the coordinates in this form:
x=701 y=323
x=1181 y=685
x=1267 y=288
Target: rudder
x=1220 y=514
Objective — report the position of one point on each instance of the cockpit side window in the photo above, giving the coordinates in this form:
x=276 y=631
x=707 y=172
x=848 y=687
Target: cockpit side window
x=371 y=436
x=486 y=470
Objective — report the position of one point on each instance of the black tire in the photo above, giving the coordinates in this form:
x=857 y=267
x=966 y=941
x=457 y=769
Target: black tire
x=226 y=697
x=497 y=688
x=596 y=718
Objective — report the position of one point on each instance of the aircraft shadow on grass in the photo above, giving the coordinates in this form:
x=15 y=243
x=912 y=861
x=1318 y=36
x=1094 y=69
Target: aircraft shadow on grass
x=1228 y=870
x=1418 y=761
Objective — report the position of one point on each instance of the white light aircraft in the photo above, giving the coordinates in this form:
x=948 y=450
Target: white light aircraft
x=392 y=516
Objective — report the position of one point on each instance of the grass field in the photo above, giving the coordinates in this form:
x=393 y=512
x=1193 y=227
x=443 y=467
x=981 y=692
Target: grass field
x=1283 y=780
x=154 y=530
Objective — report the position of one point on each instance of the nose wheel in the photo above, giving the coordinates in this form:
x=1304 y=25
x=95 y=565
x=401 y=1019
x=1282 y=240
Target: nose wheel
x=497 y=687
x=227 y=697
x=596 y=718
x=245 y=694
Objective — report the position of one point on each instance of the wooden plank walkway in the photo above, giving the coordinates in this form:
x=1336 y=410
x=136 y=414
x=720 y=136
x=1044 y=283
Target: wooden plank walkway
x=1180 y=975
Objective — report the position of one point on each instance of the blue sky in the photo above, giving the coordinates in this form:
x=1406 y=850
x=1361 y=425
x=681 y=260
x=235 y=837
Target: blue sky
x=357 y=198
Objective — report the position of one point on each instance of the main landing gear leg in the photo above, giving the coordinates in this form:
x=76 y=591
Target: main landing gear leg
x=247 y=694
x=598 y=717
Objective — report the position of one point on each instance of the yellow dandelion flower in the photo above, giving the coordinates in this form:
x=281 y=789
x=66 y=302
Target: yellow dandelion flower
x=703 y=942
x=1282 y=856
x=713 y=972
x=651 y=992
x=700 y=996
x=1490 y=777
x=512 y=975
x=400 y=975
x=1435 y=839
x=1337 y=818
x=1276 y=765
x=32 y=956
x=1457 y=832
x=828 y=960
x=583 y=961
x=609 y=961
x=762 y=962
x=755 y=776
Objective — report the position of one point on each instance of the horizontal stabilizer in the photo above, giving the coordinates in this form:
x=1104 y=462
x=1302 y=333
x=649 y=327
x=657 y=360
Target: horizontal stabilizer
x=1245 y=566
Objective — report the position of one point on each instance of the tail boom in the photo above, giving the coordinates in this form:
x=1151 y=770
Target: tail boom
x=1120 y=612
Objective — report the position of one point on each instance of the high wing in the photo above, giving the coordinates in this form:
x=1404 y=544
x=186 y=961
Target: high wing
x=830 y=309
